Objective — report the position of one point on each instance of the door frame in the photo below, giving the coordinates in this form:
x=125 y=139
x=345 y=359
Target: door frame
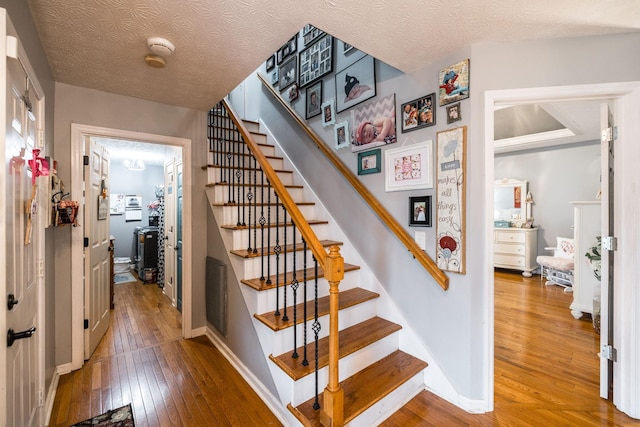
x=78 y=132
x=624 y=391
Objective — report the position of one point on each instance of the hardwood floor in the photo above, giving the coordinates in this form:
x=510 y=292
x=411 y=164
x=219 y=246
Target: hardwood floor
x=546 y=370
x=546 y=366
x=169 y=381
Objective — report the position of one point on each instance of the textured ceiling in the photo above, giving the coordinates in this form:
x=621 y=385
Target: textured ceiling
x=100 y=44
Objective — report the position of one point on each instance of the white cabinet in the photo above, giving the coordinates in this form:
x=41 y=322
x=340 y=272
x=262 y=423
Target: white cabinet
x=586 y=229
x=515 y=248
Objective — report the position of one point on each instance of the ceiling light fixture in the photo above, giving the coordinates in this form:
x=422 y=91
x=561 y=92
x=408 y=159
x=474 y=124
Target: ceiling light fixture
x=155 y=61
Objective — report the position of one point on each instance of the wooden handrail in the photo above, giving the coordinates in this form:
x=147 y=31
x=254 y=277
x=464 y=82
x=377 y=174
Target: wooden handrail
x=294 y=212
x=439 y=276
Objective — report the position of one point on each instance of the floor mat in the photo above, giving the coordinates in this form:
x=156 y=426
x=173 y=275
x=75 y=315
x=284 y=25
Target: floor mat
x=123 y=278
x=121 y=417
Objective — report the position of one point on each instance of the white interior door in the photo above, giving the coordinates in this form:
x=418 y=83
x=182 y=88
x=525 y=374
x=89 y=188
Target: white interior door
x=97 y=278
x=21 y=239
x=170 y=232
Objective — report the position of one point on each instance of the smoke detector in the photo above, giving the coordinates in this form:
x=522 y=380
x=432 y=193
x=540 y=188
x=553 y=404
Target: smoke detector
x=161 y=47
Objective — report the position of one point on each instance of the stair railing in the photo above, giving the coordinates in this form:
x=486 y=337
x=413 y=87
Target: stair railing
x=432 y=268
x=238 y=156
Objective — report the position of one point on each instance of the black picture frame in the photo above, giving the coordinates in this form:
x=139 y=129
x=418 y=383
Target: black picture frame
x=312 y=106
x=271 y=62
x=369 y=162
x=453 y=113
x=316 y=61
x=287 y=73
x=310 y=33
x=418 y=113
x=359 y=76
x=420 y=211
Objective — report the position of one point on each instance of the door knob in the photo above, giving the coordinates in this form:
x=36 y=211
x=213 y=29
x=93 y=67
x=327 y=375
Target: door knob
x=13 y=335
x=12 y=301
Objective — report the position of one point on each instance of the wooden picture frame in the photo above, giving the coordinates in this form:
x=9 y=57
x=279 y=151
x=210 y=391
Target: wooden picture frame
x=453 y=113
x=313 y=100
x=454 y=83
x=420 y=211
x=356 y=83
x=409 y=167
x=287 y=73
x=419 y=113
x=328 y=113
x=316 y=61
x=451 y=199
x=369 y=162
x=341 y=135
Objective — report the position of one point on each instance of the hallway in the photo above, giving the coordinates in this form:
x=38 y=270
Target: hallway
x=169 y=381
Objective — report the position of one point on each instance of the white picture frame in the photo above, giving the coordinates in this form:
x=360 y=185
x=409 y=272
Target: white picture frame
x=409 y=167
x=341 y=135
x=328 y=113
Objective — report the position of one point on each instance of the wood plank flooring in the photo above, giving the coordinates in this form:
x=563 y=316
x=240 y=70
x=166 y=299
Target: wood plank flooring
x=546 y=370
x=546 y=366
x=169 y=381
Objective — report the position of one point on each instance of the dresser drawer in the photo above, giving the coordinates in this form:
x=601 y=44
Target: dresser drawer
x=509 y=237
x=509 y=260
x=509 y=248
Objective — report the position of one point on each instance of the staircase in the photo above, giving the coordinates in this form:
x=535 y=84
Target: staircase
x=287 y=291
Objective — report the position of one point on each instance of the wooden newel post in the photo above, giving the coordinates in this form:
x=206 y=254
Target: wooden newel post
x=333 y=407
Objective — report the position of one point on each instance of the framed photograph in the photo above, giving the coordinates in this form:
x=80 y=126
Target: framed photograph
x=454 y=83
x=356 y=83
x=292 y=92
x=293 y=44
x=310 y=33
x=274 y=77
x=346 y=47
x=373 y=123
x=410 y=167
x=420 y=211
x=328 y=113
x=341 y=131
x=133 y=202
x=418 y=113
x=369 y=162
x=287 y=73
x=116 y=204
x=271 y=62
x=316 y=60
x=450 y=210
x=279 y=57
x=313 y=100
x=453 y=113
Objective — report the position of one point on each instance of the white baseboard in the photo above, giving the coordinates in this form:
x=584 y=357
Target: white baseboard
x=267 y=397
x=51 y=397
x=64 y=369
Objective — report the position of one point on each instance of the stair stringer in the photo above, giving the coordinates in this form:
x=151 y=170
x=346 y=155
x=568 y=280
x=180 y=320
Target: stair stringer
x=435 y=380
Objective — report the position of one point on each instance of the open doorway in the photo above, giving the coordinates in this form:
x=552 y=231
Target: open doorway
x=622 y=95
x=180 y=146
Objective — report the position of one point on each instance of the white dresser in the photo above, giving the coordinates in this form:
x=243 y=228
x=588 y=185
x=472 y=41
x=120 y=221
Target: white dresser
x=586 y=229
x=516 y=248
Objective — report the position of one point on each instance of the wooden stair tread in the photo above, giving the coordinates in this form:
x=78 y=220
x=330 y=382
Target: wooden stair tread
x=224 y=183
x=365 y=388
x=272 y=225
x=262 y=285
x=284 y=249
x=351 y=340
x=250 y=169
x=347 y=299
x=262 y=204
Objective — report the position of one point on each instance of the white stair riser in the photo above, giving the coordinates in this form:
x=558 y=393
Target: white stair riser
x=245 y=238
x=265 y=300
x=304 y=388
x=256 y=267
x=213 y=158
x=214 y=177
x=230 y=213
x=260 y=194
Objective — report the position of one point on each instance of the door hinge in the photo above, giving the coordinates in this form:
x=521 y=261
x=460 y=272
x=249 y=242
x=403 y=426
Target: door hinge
x=610 y=243
x=609 y=134
x=86 y=242
x=85 y=160
x=41 y=139
x=609 y=353
x=86 y=323
x=41 y=397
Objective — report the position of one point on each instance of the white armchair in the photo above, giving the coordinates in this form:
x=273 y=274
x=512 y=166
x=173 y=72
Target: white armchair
x=558 y=269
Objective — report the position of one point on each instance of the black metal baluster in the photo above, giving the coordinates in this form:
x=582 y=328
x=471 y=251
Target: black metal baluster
x=316 y=329
x=249 y=199
x=255 y=206
x=276 y=250
x=305 y=361
x=263 y=221
x=268 y=232
x=284 y=282
x=294 y=288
